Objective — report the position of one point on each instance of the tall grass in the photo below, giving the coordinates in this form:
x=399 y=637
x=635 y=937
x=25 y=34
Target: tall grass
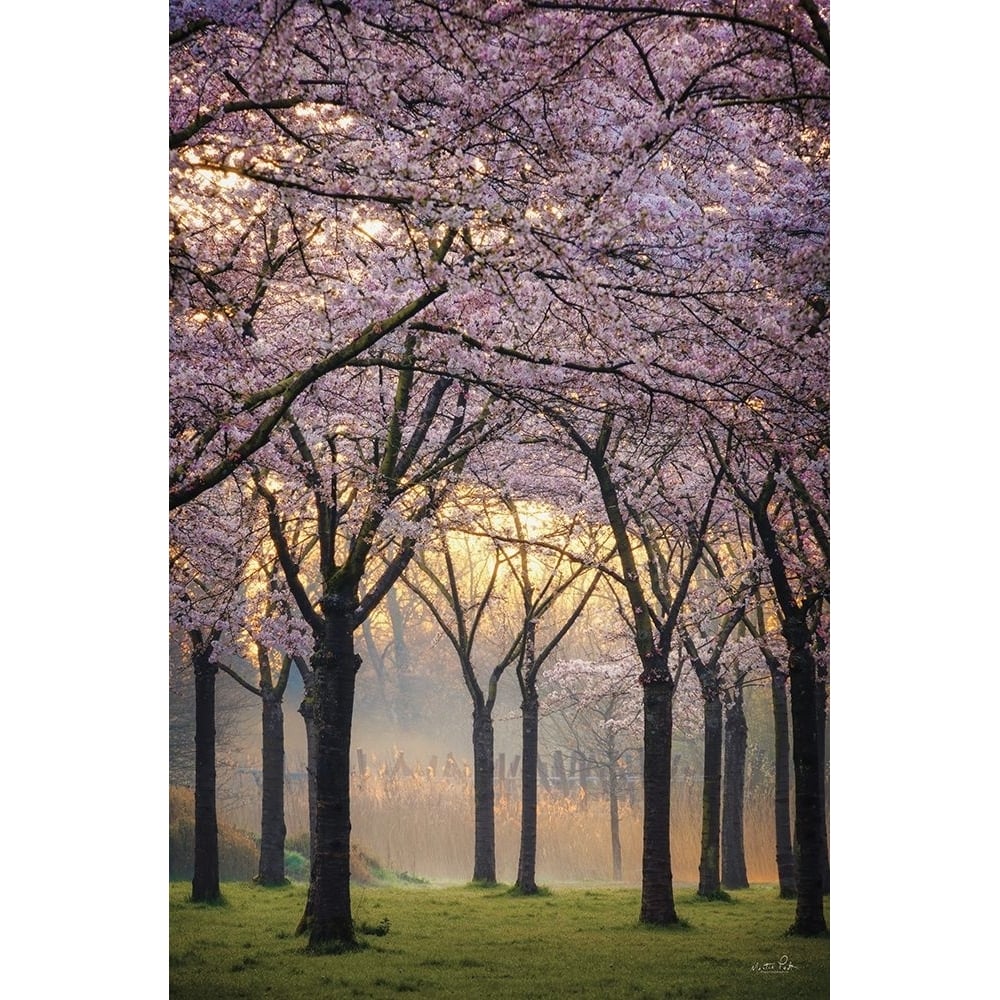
x=422 y=823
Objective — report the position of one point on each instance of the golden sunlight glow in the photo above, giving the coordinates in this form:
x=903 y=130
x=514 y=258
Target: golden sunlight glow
x=373 y=228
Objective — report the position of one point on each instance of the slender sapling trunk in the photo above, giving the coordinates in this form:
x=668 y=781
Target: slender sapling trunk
x=657 y=904
x=529 y=793
x=485 y=865
x=734 y=865
x=711 y=793
x=271 y=870
x=205 y=883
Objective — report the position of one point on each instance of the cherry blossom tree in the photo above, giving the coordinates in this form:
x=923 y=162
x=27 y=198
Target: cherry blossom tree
x=769 y=647
x=347 y=496
x=786 y=496
x=490 y=582
x=612 y=215
x=458 y=597
x=724 y=658
x=270 y=689
x=544 y=587
x=656 y=605
x=598 y=707
x=706 y=656
x=206 y=571
x=310 y=219
x=230 y=709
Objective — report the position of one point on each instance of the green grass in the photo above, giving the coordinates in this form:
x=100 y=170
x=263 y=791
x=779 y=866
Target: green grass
x=483 y=943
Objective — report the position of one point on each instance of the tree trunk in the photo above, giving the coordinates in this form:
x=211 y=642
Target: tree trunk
x=529 y=793
x=734 y=864
x=809 y=836
x=306 y=711
x=271 y=870
x=559 y=770
x=821 y=749
x=205 y=883
x=711 y=794
x=785 y=855
x=657 y=906
x=616 y=838
x=485 y=868
x=334 y=668
x=378 y=663
x=809 y=839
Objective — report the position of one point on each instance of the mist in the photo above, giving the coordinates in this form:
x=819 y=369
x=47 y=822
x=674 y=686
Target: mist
x=412 y=783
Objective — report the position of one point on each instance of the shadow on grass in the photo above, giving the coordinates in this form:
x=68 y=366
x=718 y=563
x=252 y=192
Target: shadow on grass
x=218 y=903
x=539 y=891
x=719 y=896
x=283 y=884
x=680 y=924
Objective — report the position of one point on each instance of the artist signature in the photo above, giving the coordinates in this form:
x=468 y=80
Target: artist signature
x=784 y=964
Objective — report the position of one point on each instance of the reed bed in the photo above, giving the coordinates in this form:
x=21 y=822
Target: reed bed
x=418 y=821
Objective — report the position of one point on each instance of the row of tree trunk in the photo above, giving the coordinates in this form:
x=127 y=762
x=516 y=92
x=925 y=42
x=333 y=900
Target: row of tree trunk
x=722 y=794
x=722 y=862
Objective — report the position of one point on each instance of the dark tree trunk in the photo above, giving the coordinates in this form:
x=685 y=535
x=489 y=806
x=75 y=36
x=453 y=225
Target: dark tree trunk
x=734 y=864
x=485 y=868
x=809 y=840
x=205 y=883
x=616 y=838
x=306 y=711
x=821 y=749
x=334 y=668
x=529 y=793
x=271 y=870
x=806 y=758
x=785 y=854
x=657 y=906
x=711 y=794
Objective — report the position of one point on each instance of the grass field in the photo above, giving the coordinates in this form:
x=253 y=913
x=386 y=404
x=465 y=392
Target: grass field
x=479 y=944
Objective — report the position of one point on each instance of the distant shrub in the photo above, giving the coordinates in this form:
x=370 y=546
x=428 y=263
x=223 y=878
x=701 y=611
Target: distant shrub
x=296 y=866
x=365 y=870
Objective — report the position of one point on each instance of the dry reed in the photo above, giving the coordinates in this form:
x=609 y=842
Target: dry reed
x=419 y=822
